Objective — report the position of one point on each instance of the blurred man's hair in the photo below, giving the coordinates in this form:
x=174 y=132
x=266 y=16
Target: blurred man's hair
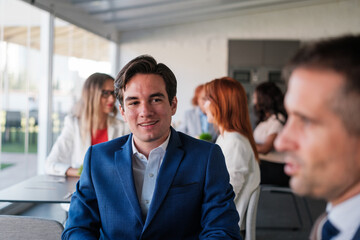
x=341 y=55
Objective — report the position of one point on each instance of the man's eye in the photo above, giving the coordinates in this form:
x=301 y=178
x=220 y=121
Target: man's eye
x=157 y=100
x=305 y=121
x=133 y=103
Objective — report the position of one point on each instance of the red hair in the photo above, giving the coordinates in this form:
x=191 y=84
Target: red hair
x=198 y=90
x=229 y=107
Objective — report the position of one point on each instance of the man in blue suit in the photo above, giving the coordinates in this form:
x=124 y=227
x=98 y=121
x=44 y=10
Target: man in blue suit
x=155 y=183
x=321 y=137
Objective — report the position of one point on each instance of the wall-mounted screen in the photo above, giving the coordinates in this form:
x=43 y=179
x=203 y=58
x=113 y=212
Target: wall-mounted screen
x=242 y=76
x=275 y=76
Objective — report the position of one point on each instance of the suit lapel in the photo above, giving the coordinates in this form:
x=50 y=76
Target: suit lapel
x=167 y=172
x=123 y=161
x=316 y=230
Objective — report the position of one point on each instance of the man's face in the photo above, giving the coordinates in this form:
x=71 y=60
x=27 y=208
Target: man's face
x=147 y=110
x=322 y=159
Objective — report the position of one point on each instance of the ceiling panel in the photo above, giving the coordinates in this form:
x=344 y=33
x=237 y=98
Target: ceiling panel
x=111 y=17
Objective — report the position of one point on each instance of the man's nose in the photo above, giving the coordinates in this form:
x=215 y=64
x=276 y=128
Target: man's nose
x=146 y=109
x=286 y=140
x=280 y=142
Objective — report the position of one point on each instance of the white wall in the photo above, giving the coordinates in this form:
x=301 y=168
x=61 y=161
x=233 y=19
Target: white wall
x=198 y=52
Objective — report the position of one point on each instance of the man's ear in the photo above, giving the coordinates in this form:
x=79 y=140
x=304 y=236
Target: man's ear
x=122 y=112
x=173 y=105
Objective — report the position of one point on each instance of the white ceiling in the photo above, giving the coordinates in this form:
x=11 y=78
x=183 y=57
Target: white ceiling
x=109 y=18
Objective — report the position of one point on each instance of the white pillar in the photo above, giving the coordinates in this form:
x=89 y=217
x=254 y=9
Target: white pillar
x=114 y=58
x=45 y=97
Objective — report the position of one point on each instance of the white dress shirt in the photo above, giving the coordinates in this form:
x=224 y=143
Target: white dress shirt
x=345 y=217
x=145 y=173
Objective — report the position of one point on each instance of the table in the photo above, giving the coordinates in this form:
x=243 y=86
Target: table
x=274 y=157
x=41 y=189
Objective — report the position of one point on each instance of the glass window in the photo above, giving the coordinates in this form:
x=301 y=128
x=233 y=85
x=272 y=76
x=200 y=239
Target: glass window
x=77 y=54
x=19 y=81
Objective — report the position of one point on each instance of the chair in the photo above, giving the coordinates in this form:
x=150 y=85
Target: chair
x=20 y=227
x=250 y=215
x=287 y=190
x=12 y=121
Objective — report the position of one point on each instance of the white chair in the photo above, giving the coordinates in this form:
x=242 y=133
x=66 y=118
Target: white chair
x=250 y=215
x=20 y=227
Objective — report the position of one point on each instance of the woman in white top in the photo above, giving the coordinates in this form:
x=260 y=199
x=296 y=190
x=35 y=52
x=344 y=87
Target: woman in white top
x=92 y=121
x=226 y=107
x=271 y=117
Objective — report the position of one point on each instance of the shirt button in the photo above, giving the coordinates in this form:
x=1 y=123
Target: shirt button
x=151 y=175
x=147 y=201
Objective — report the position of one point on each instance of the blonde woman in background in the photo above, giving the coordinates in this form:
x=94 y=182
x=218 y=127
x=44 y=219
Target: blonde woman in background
x=92 y=121
x=226 y=107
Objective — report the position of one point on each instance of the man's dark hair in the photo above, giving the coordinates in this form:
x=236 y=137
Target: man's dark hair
x=144 y=64
x=341 y=55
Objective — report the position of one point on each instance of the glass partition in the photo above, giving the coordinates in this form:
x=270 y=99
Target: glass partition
x=19 y=81
x=77 y=54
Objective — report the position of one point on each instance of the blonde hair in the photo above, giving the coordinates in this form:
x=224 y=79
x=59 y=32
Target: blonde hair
x=88 y=107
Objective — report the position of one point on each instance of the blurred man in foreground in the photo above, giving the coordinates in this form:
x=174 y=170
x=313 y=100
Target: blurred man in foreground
x=321 y=138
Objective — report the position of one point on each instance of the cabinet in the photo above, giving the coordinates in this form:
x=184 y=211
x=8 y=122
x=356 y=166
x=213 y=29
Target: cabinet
x=254 y=61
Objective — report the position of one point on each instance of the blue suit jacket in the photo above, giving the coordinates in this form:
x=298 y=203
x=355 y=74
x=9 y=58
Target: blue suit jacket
x=192 y=198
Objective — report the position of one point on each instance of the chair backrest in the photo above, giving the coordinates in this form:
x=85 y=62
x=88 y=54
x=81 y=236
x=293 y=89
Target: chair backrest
x=13 y=119
x=250 y=230
x=20 y=227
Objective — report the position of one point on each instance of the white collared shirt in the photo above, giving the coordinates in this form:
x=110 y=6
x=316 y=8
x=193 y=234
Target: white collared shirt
x=145 y=173
x=345 y=217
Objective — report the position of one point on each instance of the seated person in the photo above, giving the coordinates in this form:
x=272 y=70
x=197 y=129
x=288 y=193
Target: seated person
x=321 y=139
x=155 y=183
x=92 y=121
x=195 y=121
x=271 y=117
x=227 y=108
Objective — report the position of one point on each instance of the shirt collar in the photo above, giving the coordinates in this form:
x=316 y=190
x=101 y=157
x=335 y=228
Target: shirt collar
x=345 y=214
x=163 y=145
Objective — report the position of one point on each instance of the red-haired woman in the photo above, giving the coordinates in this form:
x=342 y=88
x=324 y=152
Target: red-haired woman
x=226 y=107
